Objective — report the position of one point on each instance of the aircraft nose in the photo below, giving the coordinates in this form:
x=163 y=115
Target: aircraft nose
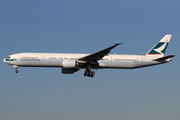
x=4 y=60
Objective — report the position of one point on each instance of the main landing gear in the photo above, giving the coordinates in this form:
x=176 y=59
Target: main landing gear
x=89 y=73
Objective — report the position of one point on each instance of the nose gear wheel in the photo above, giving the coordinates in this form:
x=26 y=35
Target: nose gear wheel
x=16 y=67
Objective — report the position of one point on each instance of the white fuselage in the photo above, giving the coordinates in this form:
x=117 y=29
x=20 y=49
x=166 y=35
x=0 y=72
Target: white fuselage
x=56 y=60
x=71 y=63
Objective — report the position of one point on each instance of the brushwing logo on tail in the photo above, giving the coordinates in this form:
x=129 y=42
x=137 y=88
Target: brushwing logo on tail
x=159 y=49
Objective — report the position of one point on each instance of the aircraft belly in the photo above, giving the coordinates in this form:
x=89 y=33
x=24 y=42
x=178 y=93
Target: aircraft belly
x=124 y=64
x=117 y=64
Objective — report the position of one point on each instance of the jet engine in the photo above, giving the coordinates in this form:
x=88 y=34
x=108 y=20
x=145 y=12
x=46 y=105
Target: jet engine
x=69 y=66
x=68 y=63
x=69 y=70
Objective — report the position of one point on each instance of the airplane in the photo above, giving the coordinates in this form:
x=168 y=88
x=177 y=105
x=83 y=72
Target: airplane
x=71 y=63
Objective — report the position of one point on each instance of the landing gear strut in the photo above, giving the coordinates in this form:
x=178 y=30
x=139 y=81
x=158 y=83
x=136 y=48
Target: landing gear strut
x=16 y=71
x=89 y=73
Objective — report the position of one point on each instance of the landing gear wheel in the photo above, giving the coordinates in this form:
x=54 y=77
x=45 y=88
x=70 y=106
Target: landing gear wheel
x=89 y=73
x=92 y=74
x=85 y=74
x=16 y=71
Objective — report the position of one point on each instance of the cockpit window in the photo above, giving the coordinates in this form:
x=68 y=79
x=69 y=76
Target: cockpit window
x=8 y=57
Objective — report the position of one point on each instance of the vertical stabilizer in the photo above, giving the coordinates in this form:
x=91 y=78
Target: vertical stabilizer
x=160 y=48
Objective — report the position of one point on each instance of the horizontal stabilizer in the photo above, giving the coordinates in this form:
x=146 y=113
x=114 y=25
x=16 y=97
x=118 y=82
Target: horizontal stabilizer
x=164 y=58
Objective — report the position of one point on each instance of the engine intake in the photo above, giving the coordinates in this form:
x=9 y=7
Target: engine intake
x=68 y=63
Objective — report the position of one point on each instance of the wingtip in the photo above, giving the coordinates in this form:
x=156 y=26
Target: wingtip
x=118 y=43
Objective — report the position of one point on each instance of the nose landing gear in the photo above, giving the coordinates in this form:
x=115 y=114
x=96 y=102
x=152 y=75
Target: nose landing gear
x=15 y=66
x=16 y=71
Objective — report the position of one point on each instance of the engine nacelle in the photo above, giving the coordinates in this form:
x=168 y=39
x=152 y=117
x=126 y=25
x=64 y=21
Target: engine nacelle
x=68 y=63
x=69 y=70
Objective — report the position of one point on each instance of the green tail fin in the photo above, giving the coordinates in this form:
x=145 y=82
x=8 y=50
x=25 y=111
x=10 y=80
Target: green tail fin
x=160 y=48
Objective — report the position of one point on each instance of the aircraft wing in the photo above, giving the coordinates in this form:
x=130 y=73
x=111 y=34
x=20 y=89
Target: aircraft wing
x=97 y=55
